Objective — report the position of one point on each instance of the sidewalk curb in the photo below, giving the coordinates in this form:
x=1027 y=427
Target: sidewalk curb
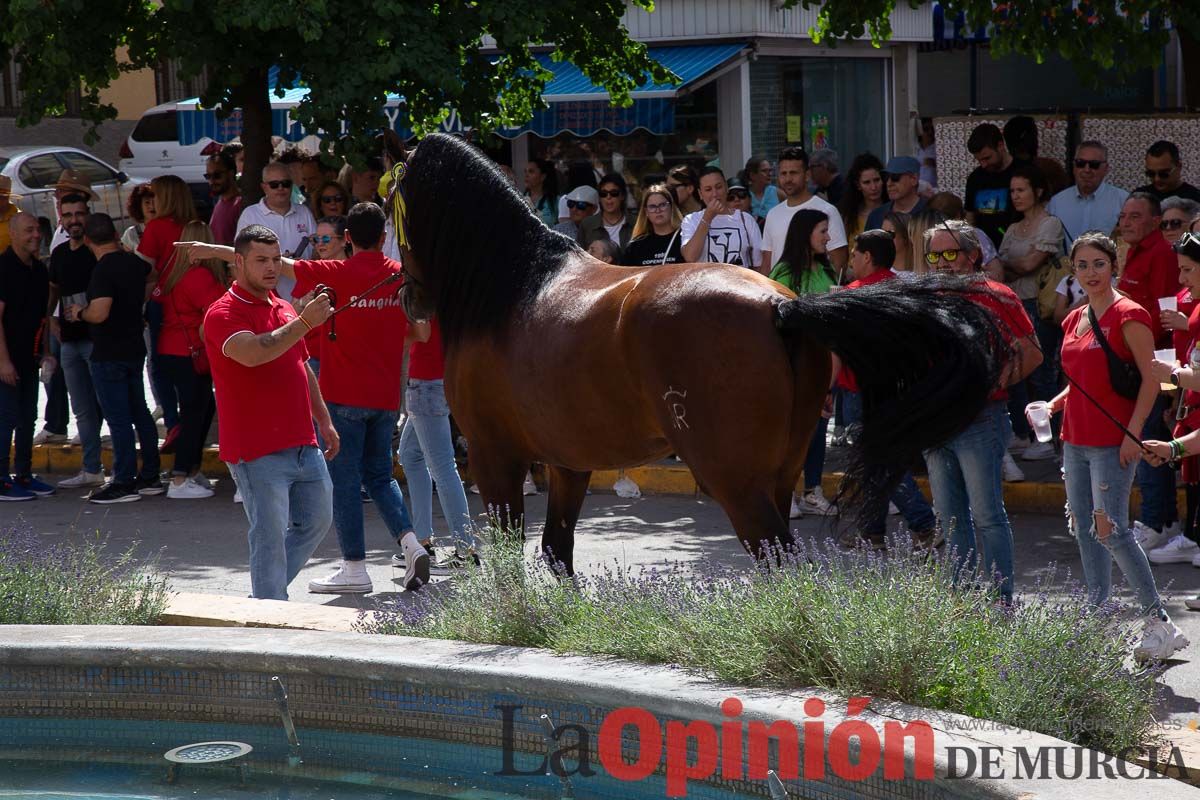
x=1028 y=497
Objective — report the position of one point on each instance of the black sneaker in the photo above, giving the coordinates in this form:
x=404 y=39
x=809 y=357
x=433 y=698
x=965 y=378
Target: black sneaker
x=148 y=487
x=114 y=492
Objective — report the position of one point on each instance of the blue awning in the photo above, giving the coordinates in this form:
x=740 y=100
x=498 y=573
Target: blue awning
x=576 y=105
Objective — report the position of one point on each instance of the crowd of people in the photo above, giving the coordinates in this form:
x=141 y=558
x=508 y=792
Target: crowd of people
x=244 y=303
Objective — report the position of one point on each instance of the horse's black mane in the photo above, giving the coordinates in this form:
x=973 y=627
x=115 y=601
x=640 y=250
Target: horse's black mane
x=479 y=247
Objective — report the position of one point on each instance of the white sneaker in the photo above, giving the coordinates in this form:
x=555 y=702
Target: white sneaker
x=1149 y=538
x=46 y=437
x=188 y=490
x=1039 y=451
x=1160 y=640
x=351 y=578
x=474 y=488
x=1011 y=472
x=529 y=487
x=416 y=565
x=815 y=503
x=200 y=479
x=1193 y=603
x=83 y=480
x=76 y=440
x=1180 y=550
x=237 y=495
x=892 y=510
x=797 y=510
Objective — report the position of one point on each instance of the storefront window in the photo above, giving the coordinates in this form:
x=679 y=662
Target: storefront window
x=839 y=103
x=642 y=157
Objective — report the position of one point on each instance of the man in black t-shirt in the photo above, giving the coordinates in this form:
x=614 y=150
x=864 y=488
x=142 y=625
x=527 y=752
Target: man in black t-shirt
x=988 y=205
x=1164 y=170
x=24 y=287
x=114 y=313
x=71 y=266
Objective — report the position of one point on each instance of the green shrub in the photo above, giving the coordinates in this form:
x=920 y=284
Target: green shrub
x=898 y=627
x=71 y=584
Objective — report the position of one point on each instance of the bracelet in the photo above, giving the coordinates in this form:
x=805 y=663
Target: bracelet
x=302 y=319
x=1177 y=450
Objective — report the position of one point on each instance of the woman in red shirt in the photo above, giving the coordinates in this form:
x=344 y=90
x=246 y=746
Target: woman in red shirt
x=187 y=290
x=173 y=208
x=1098 y=458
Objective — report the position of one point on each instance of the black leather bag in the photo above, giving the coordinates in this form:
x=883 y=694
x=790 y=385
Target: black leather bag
x=1124 y=376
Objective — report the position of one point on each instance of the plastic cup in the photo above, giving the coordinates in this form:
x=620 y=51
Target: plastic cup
x=1038 y=414
x=1166 y=355
x=1168 y=304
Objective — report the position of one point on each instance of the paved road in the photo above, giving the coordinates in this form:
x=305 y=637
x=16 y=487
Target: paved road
x=202 y=545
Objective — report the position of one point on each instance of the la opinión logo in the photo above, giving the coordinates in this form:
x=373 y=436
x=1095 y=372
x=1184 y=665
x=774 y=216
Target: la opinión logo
x=735 y=749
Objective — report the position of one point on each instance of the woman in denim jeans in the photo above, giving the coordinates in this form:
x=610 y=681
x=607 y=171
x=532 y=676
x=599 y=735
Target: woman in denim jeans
x=427 y=451
x=1098 y=458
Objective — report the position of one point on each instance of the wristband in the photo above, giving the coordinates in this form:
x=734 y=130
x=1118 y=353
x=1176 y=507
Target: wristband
x=302 y=319
x=1177 y=451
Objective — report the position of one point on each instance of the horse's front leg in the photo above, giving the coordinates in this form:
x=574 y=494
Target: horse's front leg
x=567 y=490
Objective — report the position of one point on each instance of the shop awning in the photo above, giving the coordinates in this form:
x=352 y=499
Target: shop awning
x=576 y=105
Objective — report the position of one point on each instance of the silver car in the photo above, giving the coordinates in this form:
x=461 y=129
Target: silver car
x=34 y=170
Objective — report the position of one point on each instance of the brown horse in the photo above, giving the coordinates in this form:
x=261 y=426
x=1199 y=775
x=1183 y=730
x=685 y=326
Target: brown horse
x=555 y=357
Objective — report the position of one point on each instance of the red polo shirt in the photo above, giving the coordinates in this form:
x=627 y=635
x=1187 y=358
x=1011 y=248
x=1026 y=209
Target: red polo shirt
x=1151 y=272
x=846 y=379
x=262 y=409
x=361 y=367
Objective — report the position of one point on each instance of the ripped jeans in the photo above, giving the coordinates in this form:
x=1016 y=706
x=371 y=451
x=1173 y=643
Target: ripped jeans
x=1097 y=484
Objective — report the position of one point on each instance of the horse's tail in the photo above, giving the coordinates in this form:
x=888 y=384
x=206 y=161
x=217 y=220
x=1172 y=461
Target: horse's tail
x=926 y=357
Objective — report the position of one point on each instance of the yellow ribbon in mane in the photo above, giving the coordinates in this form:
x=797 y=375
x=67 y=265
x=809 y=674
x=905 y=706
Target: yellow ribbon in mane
x=398 y=207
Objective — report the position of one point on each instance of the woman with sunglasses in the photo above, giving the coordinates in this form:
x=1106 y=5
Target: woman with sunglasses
x=1177 y=215
x=541 y=190
x=1099 y=459
x=331 y=200
x=656 y=232
x=613 y=222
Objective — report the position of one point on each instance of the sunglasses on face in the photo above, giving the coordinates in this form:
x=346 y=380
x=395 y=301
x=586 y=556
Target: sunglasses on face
x=656 y=207
x=333 y=198
x=610 y=192
x=949 y=256
x=1082 y=163
x=895 y=178
x=1161 y=174
x=212 y=176
x=323 y=239
x=1171 y=224
x=578 y=204
x=737 y=194
x=284 y=184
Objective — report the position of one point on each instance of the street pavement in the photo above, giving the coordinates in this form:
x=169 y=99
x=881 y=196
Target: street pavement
x=201 y=544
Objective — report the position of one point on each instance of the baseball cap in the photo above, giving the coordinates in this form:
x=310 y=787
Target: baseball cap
x=584 y=194
x=902 y=165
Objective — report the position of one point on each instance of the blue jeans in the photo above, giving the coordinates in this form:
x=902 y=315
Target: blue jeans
x=76 y=358
x=164 y=390
x=18 y=413
x=1098 y=484
x=968 y=494
x=427 y=453
x=286 y=497
x=814 y=459
x=364 y=461
x=123 y=398
x=1157 y=483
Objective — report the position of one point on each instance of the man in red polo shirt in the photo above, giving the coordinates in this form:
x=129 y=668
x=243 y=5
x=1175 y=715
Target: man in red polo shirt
x=267 y=401
x=871 y=262
x=1151 y=271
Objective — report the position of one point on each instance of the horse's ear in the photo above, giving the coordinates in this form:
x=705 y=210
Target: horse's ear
x=394 y=147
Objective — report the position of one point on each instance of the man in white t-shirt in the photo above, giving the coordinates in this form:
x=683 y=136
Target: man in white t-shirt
x=718 y=233
x=292 y=223
x=793 y=181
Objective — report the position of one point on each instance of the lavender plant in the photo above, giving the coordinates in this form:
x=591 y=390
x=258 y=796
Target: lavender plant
x=74 y=584
x=901 y=626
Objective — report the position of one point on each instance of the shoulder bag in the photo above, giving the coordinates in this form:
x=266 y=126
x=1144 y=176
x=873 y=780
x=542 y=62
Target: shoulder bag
x=1124 y=376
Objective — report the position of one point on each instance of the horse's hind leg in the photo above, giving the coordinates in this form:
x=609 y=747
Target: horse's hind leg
x=567 y=490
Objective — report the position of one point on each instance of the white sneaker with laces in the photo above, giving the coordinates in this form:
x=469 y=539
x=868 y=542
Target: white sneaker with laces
x=1011 y=472
x=351 y=578
x=797 y=510
x=815 y=503
x=1039 y=451
x=188 y=490
x=46 y=437
x=1180 y=550
x=237 y=495
x=1149 y=538
x=416 y=563
x=200 y=479
x=1160 y=640
x=529 y=487
x=83 y=480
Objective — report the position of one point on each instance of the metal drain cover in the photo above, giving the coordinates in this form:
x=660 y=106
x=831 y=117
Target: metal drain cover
x=207 y=752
